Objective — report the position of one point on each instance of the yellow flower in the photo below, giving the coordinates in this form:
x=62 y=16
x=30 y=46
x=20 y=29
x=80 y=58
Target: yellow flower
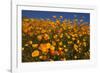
x=64 y=26
x=43 y=31
x=34 y=45
x=84 y=44
x=52 y=48
x=84 y=32
x=55 y=36
x=52 y=23
x=64 y=46
x=76 y=47
x=68 y=36
x=70 y=42
x=30 y=42
x=60 y=49
x=48 y=45
x=60 y=43
x=73 y=39
x=66 y=50
x=69 y=27
x=53 y=43
x=73 y=35
x=39 y=37
x=78 y=41
x=61 y=35
x=80 y=44
x=57 y=22
x=35 y=53
x=76 y=35
x=49 y=30
x=26 y=44
x=46 y=36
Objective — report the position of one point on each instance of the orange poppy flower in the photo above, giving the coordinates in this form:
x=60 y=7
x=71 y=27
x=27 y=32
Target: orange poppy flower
x=44 y=47
x=35 y=53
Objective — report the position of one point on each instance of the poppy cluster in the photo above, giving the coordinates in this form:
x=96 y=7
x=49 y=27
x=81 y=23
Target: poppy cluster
x=56 y=39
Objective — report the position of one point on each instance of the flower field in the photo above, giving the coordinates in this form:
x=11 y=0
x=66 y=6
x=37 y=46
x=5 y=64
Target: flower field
x=55 y=39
